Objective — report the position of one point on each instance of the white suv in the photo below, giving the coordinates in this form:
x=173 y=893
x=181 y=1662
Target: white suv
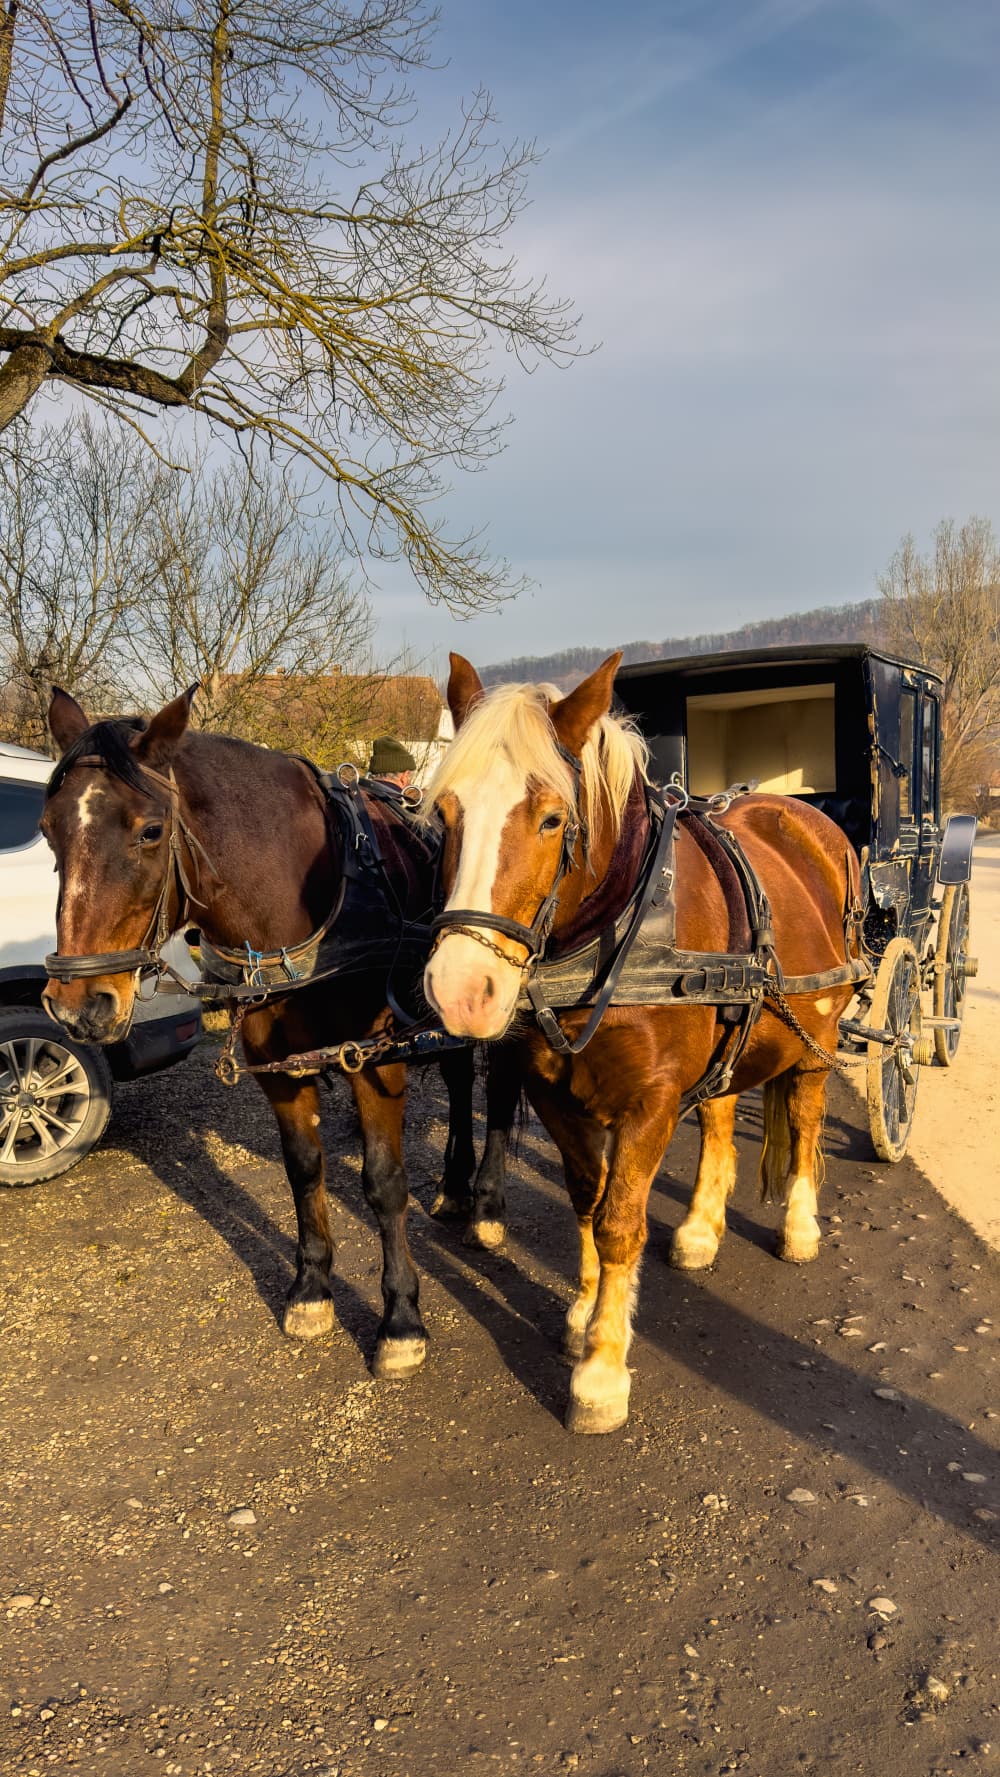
x=55 y=1094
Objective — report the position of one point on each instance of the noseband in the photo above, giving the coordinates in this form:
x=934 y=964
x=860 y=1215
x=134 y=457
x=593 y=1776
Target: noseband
x=468 y=922
x=146 y=958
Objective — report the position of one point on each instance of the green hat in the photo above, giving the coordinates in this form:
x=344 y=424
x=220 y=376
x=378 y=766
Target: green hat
x=389 y=754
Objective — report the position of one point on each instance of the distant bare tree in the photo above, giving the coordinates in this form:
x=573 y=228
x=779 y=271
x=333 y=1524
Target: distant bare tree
x=73 y=568
x=247 y=599
x=123 y=580
x=175 y=233
x=943 y=610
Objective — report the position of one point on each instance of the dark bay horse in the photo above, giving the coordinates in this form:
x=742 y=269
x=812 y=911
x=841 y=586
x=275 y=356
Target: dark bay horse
x=139 y=810
x=534 y=782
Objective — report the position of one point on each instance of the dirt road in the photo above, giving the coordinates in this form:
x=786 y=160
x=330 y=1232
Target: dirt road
x=436 y=1578
x=956 y=1131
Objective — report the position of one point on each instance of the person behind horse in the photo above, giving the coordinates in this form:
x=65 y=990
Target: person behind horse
x=391 y=762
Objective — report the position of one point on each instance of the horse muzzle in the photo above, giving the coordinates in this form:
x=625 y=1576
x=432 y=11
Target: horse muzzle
x=90 y=1012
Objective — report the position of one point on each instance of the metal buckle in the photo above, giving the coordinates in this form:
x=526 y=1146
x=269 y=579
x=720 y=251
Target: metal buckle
x=253 y=967
x=348 y=775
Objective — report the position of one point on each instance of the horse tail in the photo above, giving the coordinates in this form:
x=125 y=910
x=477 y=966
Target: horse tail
x=776 y=1147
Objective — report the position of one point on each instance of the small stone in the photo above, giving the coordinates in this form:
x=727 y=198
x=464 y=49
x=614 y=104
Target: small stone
x=985 y=1516
x=851 y=1332
x=859 y=1499
x=974 y=1479
x=801 y=1496
x=825 y=1585
x=22 y=1601
x=164 y=1586
x=379 y=1723
x=134 y=1505
x=46 y=1714
x=242 y=1518
x=692 y=1652
x=883 y=1606
x=879 y=1346
x=886 y=1394
x=938 y=1690
x=878 y=1640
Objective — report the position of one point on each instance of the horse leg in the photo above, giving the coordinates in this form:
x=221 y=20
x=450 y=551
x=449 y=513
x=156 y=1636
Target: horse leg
x=401 y=1344
x=309 y=1303
x=600 y=1383
x=696 y=1242
x=794 y=1105
x=488 y=1221
x=453 y=1197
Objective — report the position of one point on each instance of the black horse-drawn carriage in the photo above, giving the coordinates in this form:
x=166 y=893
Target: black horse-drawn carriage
x=857 y=734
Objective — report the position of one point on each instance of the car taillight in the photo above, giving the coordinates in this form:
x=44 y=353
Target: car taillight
x=188 y=1029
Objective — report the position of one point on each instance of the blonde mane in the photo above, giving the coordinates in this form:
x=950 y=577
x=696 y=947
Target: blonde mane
x=514 y=720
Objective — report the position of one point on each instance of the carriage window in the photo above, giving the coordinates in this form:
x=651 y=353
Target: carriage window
x=928 y=735
x=783 y=738
x=20 y=812
x=907 y=736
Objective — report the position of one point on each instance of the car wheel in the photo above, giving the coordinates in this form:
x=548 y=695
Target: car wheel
x=55 y=1097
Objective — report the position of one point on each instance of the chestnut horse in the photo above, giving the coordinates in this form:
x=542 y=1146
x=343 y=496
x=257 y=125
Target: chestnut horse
x=532 y=783
x=263 y=862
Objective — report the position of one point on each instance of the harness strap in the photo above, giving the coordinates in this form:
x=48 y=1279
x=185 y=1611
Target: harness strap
x=657 y=886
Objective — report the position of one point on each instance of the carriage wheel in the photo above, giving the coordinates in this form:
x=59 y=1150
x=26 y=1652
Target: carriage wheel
x=952 y=967
x=892 y=1070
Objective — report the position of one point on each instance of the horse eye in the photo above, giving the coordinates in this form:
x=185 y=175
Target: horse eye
x=551 y=823
x=151 y=833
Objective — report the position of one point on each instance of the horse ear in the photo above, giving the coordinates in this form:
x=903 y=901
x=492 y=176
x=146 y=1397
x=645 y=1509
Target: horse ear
x=574 y=716
x=67 y=721
x=464 y=686
x=158 y=742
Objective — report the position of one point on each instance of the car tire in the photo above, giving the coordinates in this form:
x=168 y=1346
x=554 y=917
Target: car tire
x=69 y=1088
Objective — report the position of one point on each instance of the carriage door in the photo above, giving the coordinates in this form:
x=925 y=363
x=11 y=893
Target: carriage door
x=908 y=774
x=927 y=808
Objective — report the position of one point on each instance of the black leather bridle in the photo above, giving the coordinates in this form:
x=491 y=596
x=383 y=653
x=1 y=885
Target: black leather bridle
x=469 y=922
x=145 y=958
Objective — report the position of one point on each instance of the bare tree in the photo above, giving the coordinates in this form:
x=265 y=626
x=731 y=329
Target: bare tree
x=248 y=600
x=73 y=567
x=173 y=235
x=943 y=609
x=122 y=579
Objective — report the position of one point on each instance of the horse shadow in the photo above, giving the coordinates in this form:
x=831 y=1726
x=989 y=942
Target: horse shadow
x=780 y=1377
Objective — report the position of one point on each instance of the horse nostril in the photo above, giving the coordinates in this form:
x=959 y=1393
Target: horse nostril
x=489 y=989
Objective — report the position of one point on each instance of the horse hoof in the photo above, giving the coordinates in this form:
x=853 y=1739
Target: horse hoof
x=595 y=1418
x=308 y=1320
x=693 y=1250
x=447 y=1209
x=395 y=1359
x=490 y=1235
x=798 y=1244
x=797 y=1251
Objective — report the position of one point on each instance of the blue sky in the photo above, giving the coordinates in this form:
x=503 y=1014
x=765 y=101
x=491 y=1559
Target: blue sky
x=779 y=219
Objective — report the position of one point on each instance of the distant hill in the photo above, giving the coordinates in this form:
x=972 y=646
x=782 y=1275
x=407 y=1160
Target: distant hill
x=831 y=623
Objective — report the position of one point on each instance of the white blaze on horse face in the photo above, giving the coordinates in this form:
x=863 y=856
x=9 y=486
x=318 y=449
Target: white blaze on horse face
x=474 y=991
x=78 y=875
